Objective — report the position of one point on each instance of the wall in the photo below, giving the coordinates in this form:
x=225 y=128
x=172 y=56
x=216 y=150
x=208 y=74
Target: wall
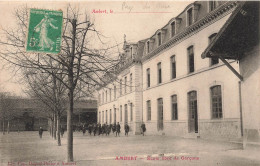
x=250 y=86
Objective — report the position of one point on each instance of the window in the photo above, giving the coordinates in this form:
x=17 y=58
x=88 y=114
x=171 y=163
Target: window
x=189 y=17
x=120 y=87
x=99 y=98
x=174 y=107
x=216 y=102
x=103 y=96
x=173 y=30
x=147 y=47
x=126 y=114
x=114 y=92
x=106 y=95
x=160 y=114
x=159 y=68
x=110 y=95
x=159 y=35
x=149 y=113
x=191 y=59
x=131 y=82
x=212 y=5
x=131 y=111
x=148 y=77
x=173 y=67
x=120 y=113
x=99 y=117
x=213 y=60
x=102 y=117
x=114 y=115
x=106 y=116
x=192 y=97
x=125 y=84
x=110 y=116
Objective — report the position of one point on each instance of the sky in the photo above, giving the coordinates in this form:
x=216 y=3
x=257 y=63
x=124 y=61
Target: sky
x=136 y=19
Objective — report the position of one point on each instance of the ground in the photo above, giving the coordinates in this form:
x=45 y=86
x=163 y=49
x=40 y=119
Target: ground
x=26 y=148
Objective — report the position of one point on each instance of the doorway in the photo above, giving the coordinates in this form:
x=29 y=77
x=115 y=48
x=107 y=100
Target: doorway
x=193 y=112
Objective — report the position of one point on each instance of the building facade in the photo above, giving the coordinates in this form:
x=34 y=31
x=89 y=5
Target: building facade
x=165 y=83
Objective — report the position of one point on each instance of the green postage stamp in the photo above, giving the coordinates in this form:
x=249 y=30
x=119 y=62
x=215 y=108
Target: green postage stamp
x=44 y=31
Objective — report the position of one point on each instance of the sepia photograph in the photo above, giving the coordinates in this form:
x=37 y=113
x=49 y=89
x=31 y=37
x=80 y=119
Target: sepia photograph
x=127 y=82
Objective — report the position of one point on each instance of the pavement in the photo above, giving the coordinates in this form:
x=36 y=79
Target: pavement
x=26 y=148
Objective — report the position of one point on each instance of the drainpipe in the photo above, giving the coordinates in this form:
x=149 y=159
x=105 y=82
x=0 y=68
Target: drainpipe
x=240 y=107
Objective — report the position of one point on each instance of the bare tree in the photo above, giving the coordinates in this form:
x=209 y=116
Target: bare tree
x=51 y=93
x=79 y=59
x=7 y=112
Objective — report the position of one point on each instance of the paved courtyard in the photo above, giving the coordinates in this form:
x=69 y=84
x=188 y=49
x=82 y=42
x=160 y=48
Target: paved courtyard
x=26 y=148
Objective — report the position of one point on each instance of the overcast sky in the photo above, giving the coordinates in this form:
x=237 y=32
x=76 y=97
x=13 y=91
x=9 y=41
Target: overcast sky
x=137 y=20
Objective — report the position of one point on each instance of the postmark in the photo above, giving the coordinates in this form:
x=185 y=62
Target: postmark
x=44 y=31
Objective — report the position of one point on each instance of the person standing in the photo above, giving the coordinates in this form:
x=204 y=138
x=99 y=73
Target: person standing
x=99 y=129
x=83 y=129
x=89 y=129
x=40 y=132
x=126 y=129
x=118 y=127
x=109 y=128
x=106 y=128
x=103 y=129
x=114 y=128
x=95 y=128
x=143 y=128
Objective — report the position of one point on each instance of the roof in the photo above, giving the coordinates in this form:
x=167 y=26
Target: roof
x=239 y=33
x=27 y=103
x=203 y=19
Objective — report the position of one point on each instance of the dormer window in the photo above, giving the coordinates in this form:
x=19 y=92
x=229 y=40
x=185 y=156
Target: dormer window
x=212 y=5
x=173 y=29
x=147 y=47
x=189 y=17
x=192 y=14
x=159 y=35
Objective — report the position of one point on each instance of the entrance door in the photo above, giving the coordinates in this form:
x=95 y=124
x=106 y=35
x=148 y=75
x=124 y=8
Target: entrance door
x=193 y=112
x=160 y=114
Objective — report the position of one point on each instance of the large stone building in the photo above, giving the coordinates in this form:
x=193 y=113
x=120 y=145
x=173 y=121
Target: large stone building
x=165 y=83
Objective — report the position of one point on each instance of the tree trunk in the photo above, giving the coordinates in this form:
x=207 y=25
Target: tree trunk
x=3 y=126
x=71 y=94
x=55 y=126
x=8 y=127
x=52 y=122
x=50 y=127
x=69 y=129
x=58 y=131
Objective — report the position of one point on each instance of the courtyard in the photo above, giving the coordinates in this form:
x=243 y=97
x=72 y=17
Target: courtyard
x=26 y=148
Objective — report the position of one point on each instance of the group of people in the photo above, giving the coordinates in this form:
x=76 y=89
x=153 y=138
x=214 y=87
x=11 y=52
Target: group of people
x=98 y=129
